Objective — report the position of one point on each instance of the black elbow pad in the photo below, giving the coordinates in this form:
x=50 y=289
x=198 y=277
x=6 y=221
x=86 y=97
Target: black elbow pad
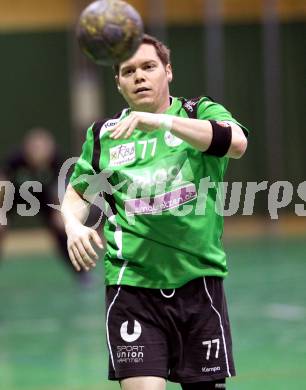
x=221 y=138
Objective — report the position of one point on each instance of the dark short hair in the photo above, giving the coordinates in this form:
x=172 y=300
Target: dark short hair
x=161 y=50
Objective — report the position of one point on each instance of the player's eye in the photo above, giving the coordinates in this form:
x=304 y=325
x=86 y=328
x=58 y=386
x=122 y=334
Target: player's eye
x=127 y=72
x=149 y=66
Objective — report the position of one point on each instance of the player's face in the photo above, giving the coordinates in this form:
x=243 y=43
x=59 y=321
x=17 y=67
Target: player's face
x=143 y=81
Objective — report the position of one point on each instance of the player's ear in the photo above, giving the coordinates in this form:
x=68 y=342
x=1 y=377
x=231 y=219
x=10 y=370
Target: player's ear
x=117 y=83
x=169 y=73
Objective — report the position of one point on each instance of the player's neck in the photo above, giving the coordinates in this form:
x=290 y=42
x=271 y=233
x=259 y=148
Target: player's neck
x=167 y=103
x=153 y=108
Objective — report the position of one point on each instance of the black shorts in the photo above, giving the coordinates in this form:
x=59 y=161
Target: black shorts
x=182 y=335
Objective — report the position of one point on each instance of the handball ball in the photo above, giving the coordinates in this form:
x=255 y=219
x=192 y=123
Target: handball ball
x=109 y=31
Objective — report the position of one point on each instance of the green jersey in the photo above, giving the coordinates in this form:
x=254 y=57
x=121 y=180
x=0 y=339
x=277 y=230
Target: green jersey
x=163 y=228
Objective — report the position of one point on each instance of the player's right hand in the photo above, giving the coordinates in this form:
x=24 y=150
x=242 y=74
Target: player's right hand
x=80 y=246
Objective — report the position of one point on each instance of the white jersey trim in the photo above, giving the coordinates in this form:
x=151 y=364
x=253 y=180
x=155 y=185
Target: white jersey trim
x=111 y=123
x=122 y=272
x=221 y=326
x=167 y=296
x=107 y=330
x=119 y=242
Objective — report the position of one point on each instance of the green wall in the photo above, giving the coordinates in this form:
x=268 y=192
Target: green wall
x=34 y=86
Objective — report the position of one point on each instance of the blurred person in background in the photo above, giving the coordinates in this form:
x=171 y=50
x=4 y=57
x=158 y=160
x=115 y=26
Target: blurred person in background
x=166 y=312
x=38 y=159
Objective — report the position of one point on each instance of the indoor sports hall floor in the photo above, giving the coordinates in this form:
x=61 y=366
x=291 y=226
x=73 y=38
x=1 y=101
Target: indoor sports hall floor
x=52 y=332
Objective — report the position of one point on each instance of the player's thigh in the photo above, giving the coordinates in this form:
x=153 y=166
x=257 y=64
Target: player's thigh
x=137 y=342
x=143 y=383
x=206 y=353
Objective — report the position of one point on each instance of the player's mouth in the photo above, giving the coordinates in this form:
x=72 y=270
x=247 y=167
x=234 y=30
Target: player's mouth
x=141 y=90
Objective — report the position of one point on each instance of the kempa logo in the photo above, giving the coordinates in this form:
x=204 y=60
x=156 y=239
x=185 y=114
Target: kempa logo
x=211 y=369
x=129 y=338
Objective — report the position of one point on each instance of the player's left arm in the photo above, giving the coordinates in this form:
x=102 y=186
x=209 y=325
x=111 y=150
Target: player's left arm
x=197 y=132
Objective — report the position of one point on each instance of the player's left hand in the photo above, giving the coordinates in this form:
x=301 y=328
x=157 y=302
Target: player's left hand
x=144 y=121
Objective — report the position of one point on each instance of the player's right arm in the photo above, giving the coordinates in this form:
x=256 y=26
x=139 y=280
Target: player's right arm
x=80 y=238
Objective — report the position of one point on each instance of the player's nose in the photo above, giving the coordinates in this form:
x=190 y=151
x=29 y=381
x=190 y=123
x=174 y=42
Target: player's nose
x=138 y=76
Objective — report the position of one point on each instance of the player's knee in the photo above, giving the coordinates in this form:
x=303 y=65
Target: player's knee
x=143 y=383
x=211 y=385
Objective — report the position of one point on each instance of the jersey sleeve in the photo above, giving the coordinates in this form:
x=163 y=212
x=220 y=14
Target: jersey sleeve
x=83 y=169
x=209 y=110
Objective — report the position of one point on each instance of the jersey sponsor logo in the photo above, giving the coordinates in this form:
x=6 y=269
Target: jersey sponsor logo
x=130 y=338
x=172 y=140
x=122 y=154
x=164 y=175
x=146 y=179
x=160 y=203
